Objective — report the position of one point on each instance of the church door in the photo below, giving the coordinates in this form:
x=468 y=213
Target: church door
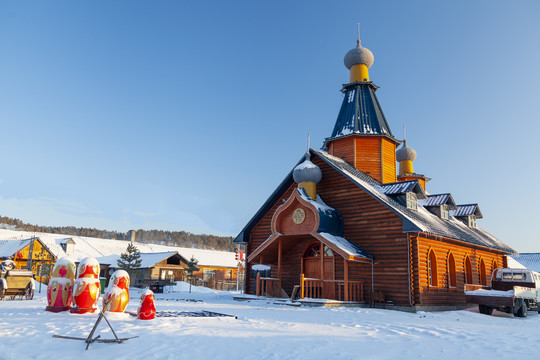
x=312 y=267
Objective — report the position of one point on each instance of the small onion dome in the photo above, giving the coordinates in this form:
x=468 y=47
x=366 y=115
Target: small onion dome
x=405 y=153
x=307 y=172
x=358 y=55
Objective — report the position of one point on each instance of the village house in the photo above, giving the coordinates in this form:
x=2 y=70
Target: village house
x=345 y=224
x=30 y=253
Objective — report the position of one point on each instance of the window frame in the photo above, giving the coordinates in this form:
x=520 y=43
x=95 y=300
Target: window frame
x=411 y=200
x=467 y=267
x=445 y=214
x=433 y=278
x=451 y=270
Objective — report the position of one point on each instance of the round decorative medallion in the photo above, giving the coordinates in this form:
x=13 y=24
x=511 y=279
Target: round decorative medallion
x=298 y=216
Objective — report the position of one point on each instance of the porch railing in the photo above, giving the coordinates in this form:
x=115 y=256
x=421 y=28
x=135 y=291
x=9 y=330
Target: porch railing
x=267 y=286
x=314 y=288
x=332 y=289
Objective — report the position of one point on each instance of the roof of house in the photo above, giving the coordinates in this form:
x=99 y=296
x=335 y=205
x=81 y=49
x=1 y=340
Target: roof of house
x=330 y=220
x=529 y=260
x=438 y=200
x=413 y=221
x=360 y=112
x=10 y=247
x=99 y=248
x=402 y=187
x=465 y=210
x=147 y=259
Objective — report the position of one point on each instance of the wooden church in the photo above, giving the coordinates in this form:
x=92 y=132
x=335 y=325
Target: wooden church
x=346 y=225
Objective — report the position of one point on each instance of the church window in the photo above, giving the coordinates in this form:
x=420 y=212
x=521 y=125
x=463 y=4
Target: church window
x=412 y=201
x=314 y=251
x=432 y=269
x=483 y=275
x=451 y=264
x=444 y=212
x=468 y=270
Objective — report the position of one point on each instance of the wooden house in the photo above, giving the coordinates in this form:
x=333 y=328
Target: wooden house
x=155 y=268
x=30 y=253
x=346 y=225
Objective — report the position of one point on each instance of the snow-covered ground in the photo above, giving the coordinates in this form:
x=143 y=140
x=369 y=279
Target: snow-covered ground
x=264 y=330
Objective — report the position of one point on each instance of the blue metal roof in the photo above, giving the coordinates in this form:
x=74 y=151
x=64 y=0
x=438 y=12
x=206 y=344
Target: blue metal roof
x=469 y=209
x=438 y=200
x=402 y=187
x=360 y=112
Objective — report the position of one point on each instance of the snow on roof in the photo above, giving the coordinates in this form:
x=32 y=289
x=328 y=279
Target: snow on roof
x=147 y=259
x=345 y=245
x=436 y=200
x=400 y=187
x=105 y=248
x=319 y=204
x=420 y=220
x=469 y=209
x=10 y=247
x=529 y=261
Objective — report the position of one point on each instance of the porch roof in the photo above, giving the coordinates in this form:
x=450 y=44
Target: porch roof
x=269 y=248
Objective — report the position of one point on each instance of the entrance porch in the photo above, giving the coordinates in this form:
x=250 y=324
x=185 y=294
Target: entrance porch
x=315 y=266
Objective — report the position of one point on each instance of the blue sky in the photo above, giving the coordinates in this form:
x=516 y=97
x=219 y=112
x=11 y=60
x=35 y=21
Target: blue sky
x=185 y=115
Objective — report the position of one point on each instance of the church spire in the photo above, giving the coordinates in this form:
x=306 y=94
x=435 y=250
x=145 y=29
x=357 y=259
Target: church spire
x=358 y=60
x=361 y=135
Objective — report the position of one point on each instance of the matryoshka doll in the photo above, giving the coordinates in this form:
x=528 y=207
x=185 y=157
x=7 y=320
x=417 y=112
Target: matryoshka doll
x=87 y=288
x=147 y=310
x=117 y=292
x=61 y=285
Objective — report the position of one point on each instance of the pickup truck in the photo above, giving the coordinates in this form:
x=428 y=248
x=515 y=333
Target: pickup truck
x=514 y=291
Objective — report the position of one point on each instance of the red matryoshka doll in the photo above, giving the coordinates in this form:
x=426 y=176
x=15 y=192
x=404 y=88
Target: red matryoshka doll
x=61 y=285
x=147 y=310
x=117 y=292
x=87 y=288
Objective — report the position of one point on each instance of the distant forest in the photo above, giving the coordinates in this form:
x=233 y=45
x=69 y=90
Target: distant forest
x=170 y=238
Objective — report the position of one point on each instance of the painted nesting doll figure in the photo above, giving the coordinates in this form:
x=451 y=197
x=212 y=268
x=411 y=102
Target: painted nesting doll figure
x=147 y=310
x=86 y=289
x=117 y=292
x=61 y=285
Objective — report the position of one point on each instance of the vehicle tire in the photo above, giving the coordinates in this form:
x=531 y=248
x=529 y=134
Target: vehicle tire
x=523 y=310
x=517 y=307
x=520 y=308
x=486 y=310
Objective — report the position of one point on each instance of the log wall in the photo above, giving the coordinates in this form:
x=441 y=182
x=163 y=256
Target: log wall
x=443 y=293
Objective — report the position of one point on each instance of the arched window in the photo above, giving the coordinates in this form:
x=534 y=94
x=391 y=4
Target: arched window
x=483 y=276
x=494 y=265
x=432 y=269
x=315 y=251
x=451 y=264
x=468 y=270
